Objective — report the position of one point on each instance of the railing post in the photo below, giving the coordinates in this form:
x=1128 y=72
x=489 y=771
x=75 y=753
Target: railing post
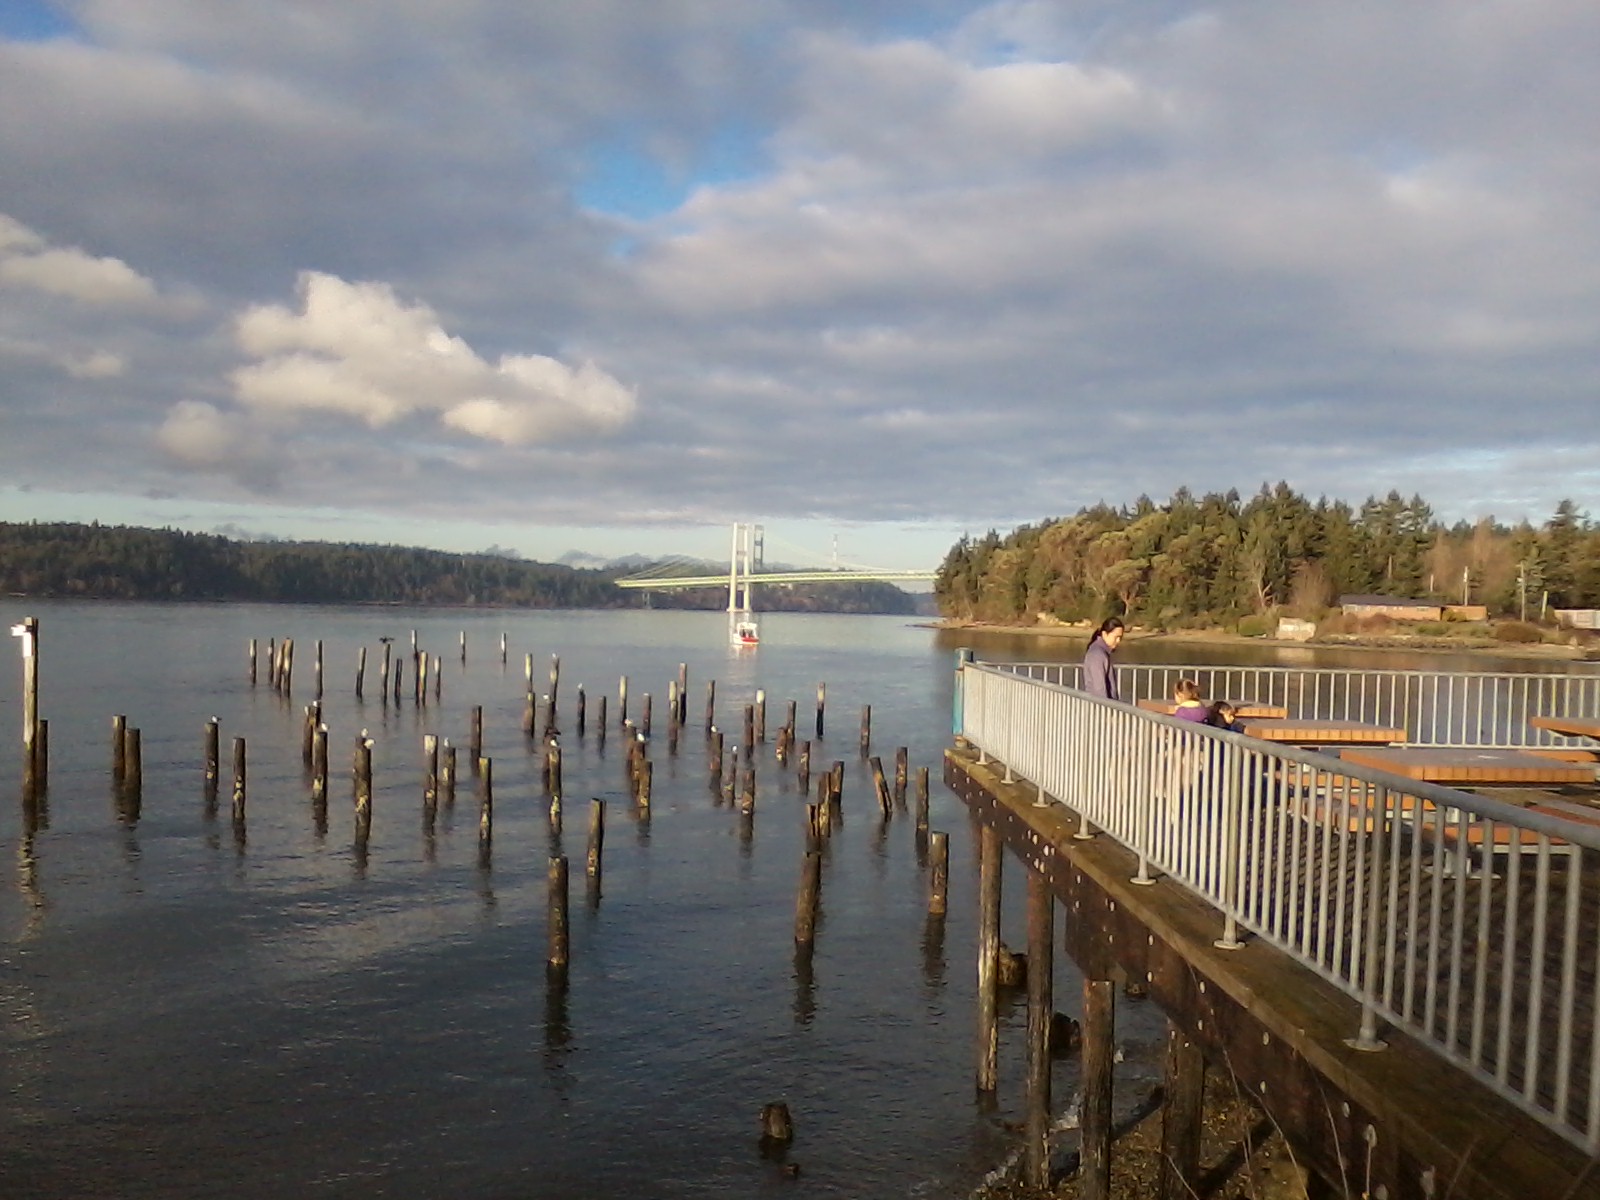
x=958 y=722
x=1232 y=847
x=1367 y=1038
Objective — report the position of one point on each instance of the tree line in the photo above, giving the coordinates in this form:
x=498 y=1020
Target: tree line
x=1215 y=559
x=130 y=563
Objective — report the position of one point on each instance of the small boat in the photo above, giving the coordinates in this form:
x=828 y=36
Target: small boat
x=744 y=633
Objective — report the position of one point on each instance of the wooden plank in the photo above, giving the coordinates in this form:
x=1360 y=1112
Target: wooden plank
x=1326 y=733
x=1442 y=764
x=1570 y=726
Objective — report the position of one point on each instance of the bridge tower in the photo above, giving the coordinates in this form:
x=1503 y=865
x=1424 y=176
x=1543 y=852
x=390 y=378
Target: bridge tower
x=745 y=556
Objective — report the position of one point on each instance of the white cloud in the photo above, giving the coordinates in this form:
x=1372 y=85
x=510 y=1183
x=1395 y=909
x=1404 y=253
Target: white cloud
x=358 y=350
x=99 y=364
x=27 y=262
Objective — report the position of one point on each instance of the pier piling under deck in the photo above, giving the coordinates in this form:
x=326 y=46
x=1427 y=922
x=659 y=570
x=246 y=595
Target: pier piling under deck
x=1402 y=1120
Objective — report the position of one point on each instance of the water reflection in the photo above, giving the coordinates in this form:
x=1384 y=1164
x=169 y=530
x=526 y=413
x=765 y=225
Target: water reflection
x=805 y=981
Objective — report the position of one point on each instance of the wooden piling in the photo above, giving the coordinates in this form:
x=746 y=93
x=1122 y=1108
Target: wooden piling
x=32 y=777
x=555 y=686
x=804 y=771
x=311 y=718
x=866 y=729
x=747 y=794
x=600 y=723
x=421 y=676
x=881 y=786
x=463 y=645
x=711 y=705
x=582 y=715
x=133 y=764
x=1041 y=943
x=644 y=716
x=761 y=716
x=681 y=714
x=213 y=750
x=749 y=730
x=319 y=767
x=399 y=670
x=475 y=733
x=597 y=839
x=1182 y=1114
x=556 y=960
x=938 y=872
x=316 y=678
x=805 y=905
x=822 y=701
x=553 y=768
x=716 y=754
x=438 y=677
x=361 y=672
x=622 y=700
x=287 y=685
x=485 y=800
x=922 y=799
x=901 y=776
x=447 y=774
x=646 y=776
x=363 y=779
x=430 y=768
x=502 y=648
x=238 y=778
x=990 y=865
x=383 y=676
x=1099 y=1054
x=119 y=747
x=672 y=703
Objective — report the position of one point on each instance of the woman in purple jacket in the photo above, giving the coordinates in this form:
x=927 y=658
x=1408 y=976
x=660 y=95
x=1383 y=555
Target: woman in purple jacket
x=1099 y=676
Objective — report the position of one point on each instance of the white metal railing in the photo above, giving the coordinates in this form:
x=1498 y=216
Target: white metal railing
x=1453 y=916
x=1435 y=709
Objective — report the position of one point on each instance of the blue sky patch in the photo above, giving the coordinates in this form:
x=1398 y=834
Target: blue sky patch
x=625 y=180
x=33 y=21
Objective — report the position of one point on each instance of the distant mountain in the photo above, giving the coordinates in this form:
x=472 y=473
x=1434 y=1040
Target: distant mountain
x=584 y=561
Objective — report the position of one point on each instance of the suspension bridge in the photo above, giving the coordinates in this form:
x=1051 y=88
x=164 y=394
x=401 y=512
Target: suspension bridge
x=746 y=566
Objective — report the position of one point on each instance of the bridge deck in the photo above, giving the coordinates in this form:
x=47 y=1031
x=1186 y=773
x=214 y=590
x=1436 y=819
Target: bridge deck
x=1404 y=1117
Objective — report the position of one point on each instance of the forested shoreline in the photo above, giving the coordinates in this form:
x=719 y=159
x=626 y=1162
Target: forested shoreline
x=130 y=563
x=1218 y=560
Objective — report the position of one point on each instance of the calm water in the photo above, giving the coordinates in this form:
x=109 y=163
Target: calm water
x=186 y=1013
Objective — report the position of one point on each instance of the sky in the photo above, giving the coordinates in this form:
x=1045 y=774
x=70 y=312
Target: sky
x=610 y=276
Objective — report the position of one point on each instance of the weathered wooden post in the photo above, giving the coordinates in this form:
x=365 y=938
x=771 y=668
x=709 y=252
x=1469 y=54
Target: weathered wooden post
x=761 y=716
x=716 y=755
x=530 y=707
x=286 y=685
x=644 y=716
x=447 y=774
x=253 y=653
x=600 y=723
x=556 y=962
x=672 y=703
x=383 y=676
x=681 y=714
x=1041 y=974
x=922 y=799
x=438 y=677
x=316 y=691
x=119 y=748
x=938 y=873
x=747 y=794
x=901 y=776
x=622 y=700
x=475 y=734
x=213 y=752
x=421 y=677
x=582 y=716
x=749 y=730
x=28 y=631
x=308 y=729
x=399 y=670
x=430 y=768
x=822 y=700
x=463 y=645
x=363 y=780
x=502 y=648
x=1099 y=1053
x=597 y=840
x=805 y=906
x=319 y=769
x=711 y=705
x=361 y=673
x=881 y=786
x=238 y=779
x=485 y=807
x=133 y=766
x=555 y=686
x=1182 y=1113
x=866 y=729
x=553 y=772
x=647 y=772
x=804 y=771
x=990 y=862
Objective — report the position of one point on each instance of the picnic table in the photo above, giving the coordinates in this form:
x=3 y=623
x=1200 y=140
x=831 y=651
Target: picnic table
x=1316 y=732
x=1243 y=709
x=1479 y=766
x=1584 y=727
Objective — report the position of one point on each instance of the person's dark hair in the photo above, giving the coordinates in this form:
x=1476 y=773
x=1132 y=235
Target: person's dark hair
x=1106 y=627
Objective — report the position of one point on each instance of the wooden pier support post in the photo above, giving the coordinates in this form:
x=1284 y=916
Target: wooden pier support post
x=622 y=700
x=902 y=773
x=747 y=793
x=319 y=768
x=1099 y=1054
x=485 y=805
x=761 y=716
x=716 y=756
x=647 y=772
x=1041 y=973
x=682 y=713
x=119 y=748
x=600 y=723
x=788 y=719
x=556 y=960
x=597 y=841
x=475 y=734
x=552 y=771
x=438 y=677
x=316 y=677
x=133 y=766
x=711 y=706
x=644 y=716
x=555 y=686
x=836 y=785
x=463 y=645
x=447 y=774
x=308 y=730
x=254 y=654
x=361 y=672
x=822 y=703
x=749 y=730
x=805 y=905
x=866 y=729
x=363 y=780
x=672 y=703
x=286 y=685
x=399 y=671
x=420 y=675
x=582 y=716
x=430 y=769
x=32 y=776
x=502 y=648
x=939 y=873
x=530 y=708
x=1182 y=1112
x=881 y=786
x=213 y=753
x=804 y=770
x=383 y=675
x=922 y=799
x=238 y=779
x=991 y=858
